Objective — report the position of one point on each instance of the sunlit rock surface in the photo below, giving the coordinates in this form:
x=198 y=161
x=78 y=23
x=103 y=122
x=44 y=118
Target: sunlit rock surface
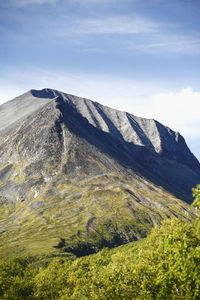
x=73 y=169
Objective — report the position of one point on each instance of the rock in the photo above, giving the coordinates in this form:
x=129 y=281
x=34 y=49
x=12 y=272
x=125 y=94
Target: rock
x=69 y=158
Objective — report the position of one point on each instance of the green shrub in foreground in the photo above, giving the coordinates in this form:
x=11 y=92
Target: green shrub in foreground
x=165 y=265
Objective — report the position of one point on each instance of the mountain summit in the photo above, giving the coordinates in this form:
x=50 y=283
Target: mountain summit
x=76 y=170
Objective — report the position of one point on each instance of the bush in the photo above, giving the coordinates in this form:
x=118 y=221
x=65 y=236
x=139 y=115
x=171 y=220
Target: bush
x=196 y=195
x=165 y=265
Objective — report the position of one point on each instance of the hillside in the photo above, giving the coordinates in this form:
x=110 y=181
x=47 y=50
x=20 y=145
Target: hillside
x=165 y=265
x=78 y=176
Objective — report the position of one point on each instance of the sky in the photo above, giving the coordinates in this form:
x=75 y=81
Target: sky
x=138 y=56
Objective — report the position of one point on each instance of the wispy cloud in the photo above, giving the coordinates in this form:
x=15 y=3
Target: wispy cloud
x=174 y=43
x=23 y=3
x=115 y=25
x=85 y=2
x=135 y=32
x=145 y=35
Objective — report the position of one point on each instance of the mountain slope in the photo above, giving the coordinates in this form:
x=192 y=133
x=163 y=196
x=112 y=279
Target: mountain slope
x=87 y=175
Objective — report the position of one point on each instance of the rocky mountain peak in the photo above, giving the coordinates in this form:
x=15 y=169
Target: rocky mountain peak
x=144 y=145
x=87 y=173
x=129 y=128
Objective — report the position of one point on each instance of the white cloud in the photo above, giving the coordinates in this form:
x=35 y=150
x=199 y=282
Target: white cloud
x=115 y=25
x=178 y=110
x=175 y=43
x=145 y=35
x=166 y=41
x=83 y=2
x=21 y=3
x=181 y=112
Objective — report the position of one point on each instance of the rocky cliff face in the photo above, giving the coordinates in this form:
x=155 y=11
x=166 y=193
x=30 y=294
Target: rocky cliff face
x=74 y=169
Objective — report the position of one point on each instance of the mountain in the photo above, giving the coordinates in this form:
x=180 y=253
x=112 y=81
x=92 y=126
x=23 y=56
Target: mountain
x=76 y=176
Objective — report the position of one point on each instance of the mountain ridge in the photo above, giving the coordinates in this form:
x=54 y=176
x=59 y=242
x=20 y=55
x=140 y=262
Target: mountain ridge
x=76 y=170
x=147 y=140
x=54 y=93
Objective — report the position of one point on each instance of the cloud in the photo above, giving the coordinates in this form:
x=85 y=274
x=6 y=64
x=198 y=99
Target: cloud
x=136 y=33
x=21 y=3
x=85 y=2
x=115 y=25
x=141 y=34
x=178 y=110
x=175 y=43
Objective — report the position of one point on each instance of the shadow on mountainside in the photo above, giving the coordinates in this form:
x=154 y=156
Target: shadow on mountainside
x=172 y=176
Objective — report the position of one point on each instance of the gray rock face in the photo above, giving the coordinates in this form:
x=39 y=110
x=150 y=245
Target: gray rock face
x=40 y=128
x=90 y=175
x=18 y=109
x=129 y=128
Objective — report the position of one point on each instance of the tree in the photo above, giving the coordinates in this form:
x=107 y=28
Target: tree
x=196 y=195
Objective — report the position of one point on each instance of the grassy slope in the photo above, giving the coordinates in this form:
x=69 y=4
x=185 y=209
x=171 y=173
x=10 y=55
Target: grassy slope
x=94 y=210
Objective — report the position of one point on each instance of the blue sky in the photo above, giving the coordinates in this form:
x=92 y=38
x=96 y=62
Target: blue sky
x=134 y=55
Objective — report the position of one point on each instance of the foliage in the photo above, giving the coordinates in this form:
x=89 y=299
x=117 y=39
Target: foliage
x=196 y=204
x=16 y=279
x=196 y=195
x=165 y=265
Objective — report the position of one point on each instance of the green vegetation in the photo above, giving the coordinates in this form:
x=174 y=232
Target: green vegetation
x=89 y=213
x=196 y=205
x=196 y=195
x=165 y=265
